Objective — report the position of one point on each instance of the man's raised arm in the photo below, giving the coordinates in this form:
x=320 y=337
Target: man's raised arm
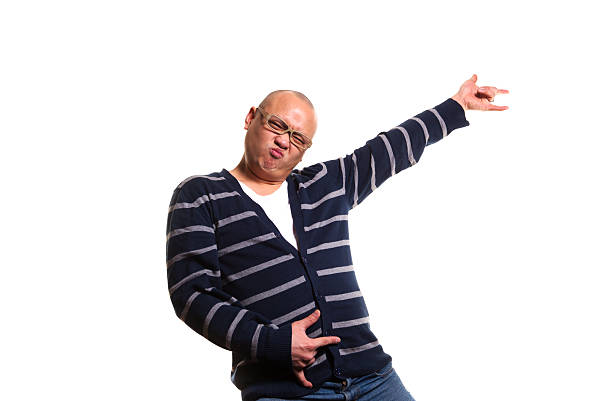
x=402 y=146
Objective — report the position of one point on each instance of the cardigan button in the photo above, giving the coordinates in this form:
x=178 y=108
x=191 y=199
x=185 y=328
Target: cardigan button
x=338 y=371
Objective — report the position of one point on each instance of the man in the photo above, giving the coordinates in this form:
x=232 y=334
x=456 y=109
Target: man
x=267 y=273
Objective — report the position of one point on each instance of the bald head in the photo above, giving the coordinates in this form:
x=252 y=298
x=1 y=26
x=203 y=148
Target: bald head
x=278 y=93
x=287 y=100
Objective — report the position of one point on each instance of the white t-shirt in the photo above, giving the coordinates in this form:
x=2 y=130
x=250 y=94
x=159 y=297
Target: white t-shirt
x=276 y=206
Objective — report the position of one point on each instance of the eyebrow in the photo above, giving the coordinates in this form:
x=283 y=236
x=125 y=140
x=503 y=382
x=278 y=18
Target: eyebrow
x=294 y=130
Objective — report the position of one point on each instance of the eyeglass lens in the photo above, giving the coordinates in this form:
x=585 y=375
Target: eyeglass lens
x=280 y=126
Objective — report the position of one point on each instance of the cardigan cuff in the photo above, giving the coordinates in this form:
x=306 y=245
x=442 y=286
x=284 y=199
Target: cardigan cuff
x=276 y=346
x=453 y=115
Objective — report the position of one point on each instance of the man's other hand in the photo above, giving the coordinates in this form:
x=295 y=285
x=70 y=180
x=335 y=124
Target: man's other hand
x=304 y=348
x=472 y=97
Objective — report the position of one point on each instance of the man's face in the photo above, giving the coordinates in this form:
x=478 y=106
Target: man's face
x=270 y=156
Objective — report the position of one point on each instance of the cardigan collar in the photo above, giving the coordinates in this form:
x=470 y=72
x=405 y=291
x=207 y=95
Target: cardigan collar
x=293 y=203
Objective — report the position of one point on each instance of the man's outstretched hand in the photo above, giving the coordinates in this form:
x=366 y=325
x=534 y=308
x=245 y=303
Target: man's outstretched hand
x=304 y=348
x=472 y=97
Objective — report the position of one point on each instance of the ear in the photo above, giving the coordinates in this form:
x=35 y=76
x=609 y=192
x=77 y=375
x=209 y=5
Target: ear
x=249 y=117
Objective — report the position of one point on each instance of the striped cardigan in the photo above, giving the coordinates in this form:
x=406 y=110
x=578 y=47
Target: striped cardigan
x=235 y=280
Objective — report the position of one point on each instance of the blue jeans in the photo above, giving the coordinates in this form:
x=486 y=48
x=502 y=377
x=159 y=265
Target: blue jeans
x=382 y=385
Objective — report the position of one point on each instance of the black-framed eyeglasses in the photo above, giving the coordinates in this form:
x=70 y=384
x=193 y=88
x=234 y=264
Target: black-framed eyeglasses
x=279 y=127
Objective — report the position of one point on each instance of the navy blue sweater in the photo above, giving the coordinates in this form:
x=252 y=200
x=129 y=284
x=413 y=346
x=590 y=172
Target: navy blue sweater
x=235 y=280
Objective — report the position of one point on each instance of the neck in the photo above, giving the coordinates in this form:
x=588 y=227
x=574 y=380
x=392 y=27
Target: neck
x=260 y=185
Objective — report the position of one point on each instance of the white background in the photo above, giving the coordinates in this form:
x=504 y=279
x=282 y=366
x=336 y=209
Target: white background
x=486 y=267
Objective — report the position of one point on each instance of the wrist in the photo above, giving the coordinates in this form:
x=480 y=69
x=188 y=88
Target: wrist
x=453 y=114
x=457 y=99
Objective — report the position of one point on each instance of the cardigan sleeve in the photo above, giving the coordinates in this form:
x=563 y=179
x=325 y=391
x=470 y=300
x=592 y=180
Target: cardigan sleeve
x=392 y=151
x=194 y=284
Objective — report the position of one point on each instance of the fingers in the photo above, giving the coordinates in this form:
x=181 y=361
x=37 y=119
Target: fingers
x=479 y=98
x=310 y=319
x=491 y=91
x=495 y=90
x=301 y=378
x=496 y=108
x=486 y=91
x=486 y=104
x=323 y=341
x=301 y=364
x=485 y=94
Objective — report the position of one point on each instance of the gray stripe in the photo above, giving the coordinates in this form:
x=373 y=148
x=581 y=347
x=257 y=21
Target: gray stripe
x=244 y=244
x=208 y=177
x=259 y=267
x=210 y=315
x=346 y=351
x=350 y=323
x=189 y=229
x=342 y=297
x=285 y=318
x=273 y=291
x=373 y=177
x=201 y=200
x=230 y=301
x=317 y=176
x=255 y=341
x=330 y=195
x=242 y=363
x=213 y=273
x=441 y=120
x=408 y=145
x=333 y=194
x=356 y=179
x=234 y=218
x=423 y=126
x=326 y=222
x=317 y=361
x=334 y=270
x=389 y=152
x=184 y=255
x=188 y=305
x=230 y=331
x=315 y=333
x=327 y=245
